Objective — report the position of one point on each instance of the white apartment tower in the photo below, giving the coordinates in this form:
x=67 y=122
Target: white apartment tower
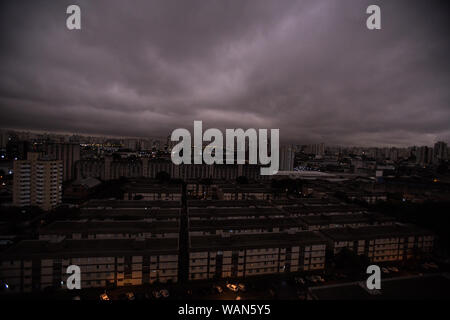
x=37 y=182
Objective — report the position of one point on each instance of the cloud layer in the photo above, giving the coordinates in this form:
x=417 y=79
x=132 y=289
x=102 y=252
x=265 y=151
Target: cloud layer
x=310 y=68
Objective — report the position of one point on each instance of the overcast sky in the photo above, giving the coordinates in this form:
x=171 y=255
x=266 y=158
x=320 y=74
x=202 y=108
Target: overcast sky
x=310 y=68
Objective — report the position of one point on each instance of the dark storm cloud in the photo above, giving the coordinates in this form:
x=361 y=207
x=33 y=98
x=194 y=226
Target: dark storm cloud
x=310 y=68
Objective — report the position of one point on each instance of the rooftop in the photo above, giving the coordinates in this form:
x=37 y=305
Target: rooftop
x=102 y=227
x=345 y=219
x=324 y=209
x=268 y=240
x=28 y=249
x=232 y=224
x=131 y=214
x=227 y=203
x=130 y=204
x=234 y=212
x=372 y=232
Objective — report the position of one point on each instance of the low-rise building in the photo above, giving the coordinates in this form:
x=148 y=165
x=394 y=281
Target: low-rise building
x=163 y=214
x=298 y=211
x=130 y=204
x=328 y=221
x=234 y=213
x=153 y=192
x=244 y=192
x=79 y=230
x=81 y=188
x=228 y=204
x=382 y=243
x=33 y=265
x=245 y=226
x=248 y=255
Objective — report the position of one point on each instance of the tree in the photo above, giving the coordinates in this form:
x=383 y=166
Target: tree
x=348 y=261
x=162 y=176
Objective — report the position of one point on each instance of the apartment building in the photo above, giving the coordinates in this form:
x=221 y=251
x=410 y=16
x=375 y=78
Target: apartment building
x=224 y=213
x=202 y=188
x=109 y=230
x=245 y=226
x=299 y=211
x=257 y=254
x=382 y=243
x=68 y=153
x=109 y=168
x=37 y=182
x=228 y=204
x=124 y=210
x=149 y=215
x=153 y=192
x=244 y=192
x=328 y=221
x=129 y=204
x=366 y=196
x=33 y=265
x=307 y=202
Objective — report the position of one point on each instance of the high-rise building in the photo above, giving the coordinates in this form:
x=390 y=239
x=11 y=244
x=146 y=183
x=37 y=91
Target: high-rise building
x=69 y=153
x=440 y=152
x=37 y=182
x=317 y=149
x=286 y=158
x=424 y=155
x=3 y=139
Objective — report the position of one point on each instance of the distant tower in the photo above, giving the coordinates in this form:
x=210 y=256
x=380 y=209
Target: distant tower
x=108 y=163
x=440 y=152
x=424 y=155
x=286 y=158
x=68 y=153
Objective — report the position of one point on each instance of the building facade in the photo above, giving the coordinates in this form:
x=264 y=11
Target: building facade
x=68 y=153
x=382 y=243
x=34 y=265
x=250 y=255
x=37 y=182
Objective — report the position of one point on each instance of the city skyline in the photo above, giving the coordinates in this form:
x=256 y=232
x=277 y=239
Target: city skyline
x=311 y=69
x=161 y=138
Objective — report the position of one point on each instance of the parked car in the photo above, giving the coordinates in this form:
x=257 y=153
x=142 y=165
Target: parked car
x=433 y=265
x=104 y=297
x=156 y=294
x=319 y=279
x=232 y=287
x=218 y=289
x=238 y=298
x=164 y=293
x=384 y=270
x=130 y=296
x=242 y=287
x=299 y=280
